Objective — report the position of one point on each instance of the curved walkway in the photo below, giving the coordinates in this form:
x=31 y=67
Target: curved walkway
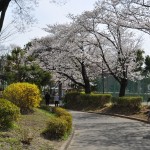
x=100 y=132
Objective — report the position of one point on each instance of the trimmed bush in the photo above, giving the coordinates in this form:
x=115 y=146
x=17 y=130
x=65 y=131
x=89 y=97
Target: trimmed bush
x=60 y=125
x=8 y=113
x=60 y=111
x=56 y=128
x=68 y=119
x=81 y=101
x=129 y=102
x=24 y=95
x=63 y=114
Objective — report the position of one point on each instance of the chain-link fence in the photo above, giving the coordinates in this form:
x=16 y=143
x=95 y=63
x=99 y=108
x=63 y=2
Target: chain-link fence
x=134 y=88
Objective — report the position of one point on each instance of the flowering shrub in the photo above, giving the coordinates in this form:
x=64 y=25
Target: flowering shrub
x=59 y=125
x=65 y=115
x=24 y=95
x=56 y=128
x=8 y=113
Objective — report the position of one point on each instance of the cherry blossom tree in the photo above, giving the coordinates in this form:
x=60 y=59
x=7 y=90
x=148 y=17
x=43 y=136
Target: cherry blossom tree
x=134 y=14
x=78 y=51
x=117 y=45
x=68 y=53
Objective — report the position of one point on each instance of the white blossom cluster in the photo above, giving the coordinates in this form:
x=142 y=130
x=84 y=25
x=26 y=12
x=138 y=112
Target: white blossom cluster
x=95 y=42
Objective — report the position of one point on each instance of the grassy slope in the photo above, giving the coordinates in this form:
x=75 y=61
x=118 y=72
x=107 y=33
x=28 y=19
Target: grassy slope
x=27 y=134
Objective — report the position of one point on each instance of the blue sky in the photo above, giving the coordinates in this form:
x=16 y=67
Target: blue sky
x=48 y=13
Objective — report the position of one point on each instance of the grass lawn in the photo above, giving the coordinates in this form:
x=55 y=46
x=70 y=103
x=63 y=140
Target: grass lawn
x=26 y=134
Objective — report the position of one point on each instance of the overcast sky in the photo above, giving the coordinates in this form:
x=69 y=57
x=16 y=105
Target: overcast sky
x=48 y=13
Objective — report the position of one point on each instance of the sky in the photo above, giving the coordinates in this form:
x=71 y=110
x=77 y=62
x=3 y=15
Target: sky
x=48 y=13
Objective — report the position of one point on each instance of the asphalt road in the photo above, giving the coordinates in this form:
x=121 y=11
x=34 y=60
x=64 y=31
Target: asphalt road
x=100 y=132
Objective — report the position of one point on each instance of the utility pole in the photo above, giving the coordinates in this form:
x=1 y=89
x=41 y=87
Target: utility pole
x=103 y=84
x=60 y=89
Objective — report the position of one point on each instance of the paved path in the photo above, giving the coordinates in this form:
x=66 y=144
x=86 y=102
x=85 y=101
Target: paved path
x=100 y=132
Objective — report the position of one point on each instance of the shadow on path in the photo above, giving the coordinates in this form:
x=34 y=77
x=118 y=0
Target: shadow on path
x=100 y=132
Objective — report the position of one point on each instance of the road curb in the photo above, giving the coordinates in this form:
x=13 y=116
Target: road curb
x=68 y=141
x=122 y=116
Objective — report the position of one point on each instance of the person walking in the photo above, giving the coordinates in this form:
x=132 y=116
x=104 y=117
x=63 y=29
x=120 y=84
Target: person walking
x=56 y=100
x=47 y=98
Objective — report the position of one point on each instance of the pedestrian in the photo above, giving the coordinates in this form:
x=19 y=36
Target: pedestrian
x=47 y=98
x=56 y=100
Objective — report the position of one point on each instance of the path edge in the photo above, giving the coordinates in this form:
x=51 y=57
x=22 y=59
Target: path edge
x=68 y=141
x=121 y=116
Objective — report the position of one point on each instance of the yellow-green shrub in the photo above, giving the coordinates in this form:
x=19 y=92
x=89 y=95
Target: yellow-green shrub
x=56 y=128
x=60 y=111
x=24 y=95
x=68 y=118
x=65 y=115
x=8 y=113
x=60 y=125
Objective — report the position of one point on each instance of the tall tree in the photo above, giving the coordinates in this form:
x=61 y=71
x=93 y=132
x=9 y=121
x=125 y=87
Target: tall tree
x=147 y=64
x=67 y=53
x=116 y=44
x=3 y=8
x=21 y=68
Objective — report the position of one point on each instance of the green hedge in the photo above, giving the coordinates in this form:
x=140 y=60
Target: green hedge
x=75 y=100
x=60 y=125
x=8 y=113
x=129 y=102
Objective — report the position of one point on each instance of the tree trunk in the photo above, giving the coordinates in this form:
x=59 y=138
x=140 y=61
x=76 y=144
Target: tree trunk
x=87 y=86
x=123 y=85
x=3 y=7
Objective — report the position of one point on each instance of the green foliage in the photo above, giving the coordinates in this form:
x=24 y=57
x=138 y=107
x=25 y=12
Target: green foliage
x=45 y=107
x=68 y=119
x=128 y=102
x=14 y=70
x=65 y=115
x=56 y=128
x=60 y=125
x=24 y=95
x=38 y=76
x=8 y=113
x=139 y=59
x=74 y=100
x=19 y=68
x=147 y=64
x=60 y=111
